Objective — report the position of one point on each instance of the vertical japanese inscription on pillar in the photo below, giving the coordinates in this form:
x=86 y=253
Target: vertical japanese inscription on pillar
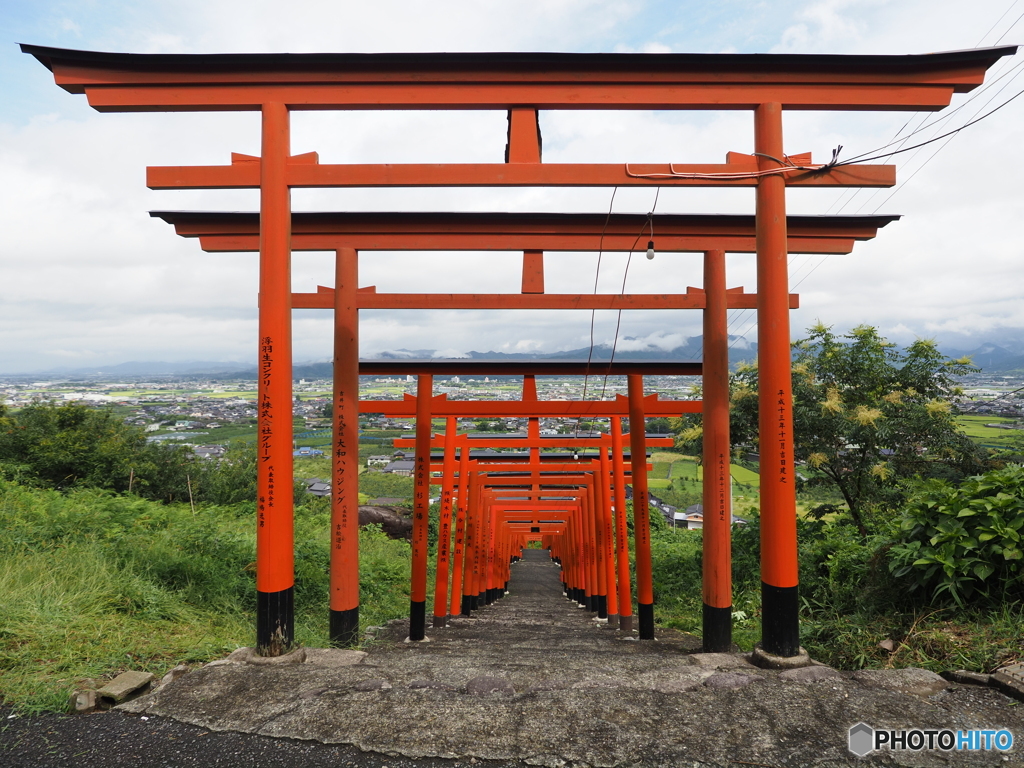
x=459 y=504
x=723 y=476
x=783 y=435
x=444 y=533
x=641 y=506
x=421 y=498
x=266 y=424
x=340 y=483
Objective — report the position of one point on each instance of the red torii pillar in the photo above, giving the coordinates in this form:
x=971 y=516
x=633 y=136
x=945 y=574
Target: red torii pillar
x=275 y=531
x=621 y=532
x=344 y=566
x=421 y=510
x=444 y=527
x=607 y=523
x=780 y=622
x=641 y=521
x=717 y=490
x=458 y=606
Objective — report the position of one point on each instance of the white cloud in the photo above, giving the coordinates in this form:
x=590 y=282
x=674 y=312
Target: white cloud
x=658 y=340
x=86 y=272
x=449 y=354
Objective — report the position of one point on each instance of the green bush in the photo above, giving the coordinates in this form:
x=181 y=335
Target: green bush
x=963 y=542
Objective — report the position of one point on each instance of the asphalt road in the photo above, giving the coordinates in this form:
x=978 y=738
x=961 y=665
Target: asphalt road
x=114 y=738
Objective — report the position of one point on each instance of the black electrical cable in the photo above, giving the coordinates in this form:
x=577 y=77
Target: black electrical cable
x=1008 y=29
x=1010 y=8
x=862 y=159
x=593 y=312
x=988 y=402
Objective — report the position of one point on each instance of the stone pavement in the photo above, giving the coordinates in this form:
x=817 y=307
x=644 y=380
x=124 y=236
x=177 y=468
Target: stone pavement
x=532 y=679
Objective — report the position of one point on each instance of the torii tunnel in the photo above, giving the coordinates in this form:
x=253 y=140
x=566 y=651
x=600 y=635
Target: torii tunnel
x=351 y=234
x=523 y=84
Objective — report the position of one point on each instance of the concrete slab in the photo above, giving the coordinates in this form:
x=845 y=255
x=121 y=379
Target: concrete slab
x=578 y=697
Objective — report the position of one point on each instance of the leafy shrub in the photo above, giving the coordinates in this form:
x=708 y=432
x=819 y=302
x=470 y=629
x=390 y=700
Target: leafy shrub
x=841 y=572
x=964 y=541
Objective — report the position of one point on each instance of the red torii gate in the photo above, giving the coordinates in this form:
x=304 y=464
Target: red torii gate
x=275 y=84
x=536 y=462
x=348 y=233
x=635 y=405
x=543 y=480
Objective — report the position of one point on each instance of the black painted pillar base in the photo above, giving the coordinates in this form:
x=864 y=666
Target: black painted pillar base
x=440 y=622
x=602 y=606
x=717 y=629
x=645 y=617
x=626 y=622
x=275 y=618
x=481 y=599
x=345 y=628
x=417 y=620
x=780 y=620
x=467 y=605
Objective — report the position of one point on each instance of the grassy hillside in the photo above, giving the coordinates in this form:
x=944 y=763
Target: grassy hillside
x=92 y=584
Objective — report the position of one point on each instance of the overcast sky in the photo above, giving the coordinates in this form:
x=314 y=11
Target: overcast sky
x=88 y=279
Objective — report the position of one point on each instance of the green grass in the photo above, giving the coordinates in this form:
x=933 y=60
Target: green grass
x=76 y=615
x=667 y=457
x=974 y=427
x=307 y=468
x=745 y=476
x=685 y=468
x=660 y=471
x=92 y=584
x=224 y=435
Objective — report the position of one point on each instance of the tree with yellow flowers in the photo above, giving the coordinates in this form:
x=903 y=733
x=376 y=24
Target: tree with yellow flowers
x=868 y=417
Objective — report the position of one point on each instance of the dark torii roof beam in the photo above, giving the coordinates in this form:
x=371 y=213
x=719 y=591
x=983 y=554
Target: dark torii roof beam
x=116 y=82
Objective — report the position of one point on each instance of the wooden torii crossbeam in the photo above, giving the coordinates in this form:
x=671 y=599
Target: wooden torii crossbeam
x=522 y=83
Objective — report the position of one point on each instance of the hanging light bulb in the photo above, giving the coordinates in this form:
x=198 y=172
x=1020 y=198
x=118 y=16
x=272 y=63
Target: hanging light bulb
x=650 y=249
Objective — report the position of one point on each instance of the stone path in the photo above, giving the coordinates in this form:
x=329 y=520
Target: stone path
x=532 y=679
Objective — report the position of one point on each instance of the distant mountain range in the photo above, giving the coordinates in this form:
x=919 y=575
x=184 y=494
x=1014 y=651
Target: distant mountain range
x=1006 y=357
x=993 y=358
x=148 y=368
